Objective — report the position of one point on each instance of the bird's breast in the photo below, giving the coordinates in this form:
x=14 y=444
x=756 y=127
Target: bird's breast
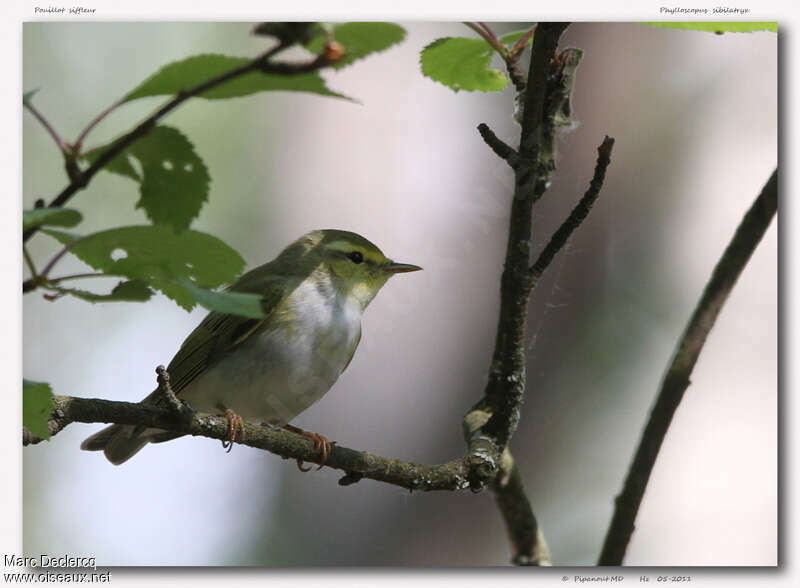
x=281 y=371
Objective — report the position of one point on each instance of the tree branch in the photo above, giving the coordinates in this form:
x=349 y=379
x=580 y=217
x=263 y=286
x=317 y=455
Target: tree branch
x=578 y=214
x=357 y=464
x=501 y=149
x=530 y=548
x=488 y=427
x=506 y=482
x=506 y=385
x=676 y=380
x=82 y=178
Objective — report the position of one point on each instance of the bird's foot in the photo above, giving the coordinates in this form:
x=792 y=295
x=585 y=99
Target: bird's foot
x=235 y=425
x=321 y=444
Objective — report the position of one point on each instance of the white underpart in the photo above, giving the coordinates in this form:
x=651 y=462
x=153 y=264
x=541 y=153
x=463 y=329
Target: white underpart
x=280 y=373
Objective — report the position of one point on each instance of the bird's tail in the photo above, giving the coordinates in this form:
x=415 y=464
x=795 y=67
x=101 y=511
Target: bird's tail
x=118 y=442
x=122 y=442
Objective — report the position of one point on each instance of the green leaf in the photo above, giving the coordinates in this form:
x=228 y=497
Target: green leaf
x=719 y=27
x=52 y=217
x=119 y=164
x=128 y=291
x=462 y=64
x=158 y=256
x=193 y=71
x=37 y=405
x=360 y=39
x=26 y=97
x=175 y=180
x=511 y=38
x=248 y=305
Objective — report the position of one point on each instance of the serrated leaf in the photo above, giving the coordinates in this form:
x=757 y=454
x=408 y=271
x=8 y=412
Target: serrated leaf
x=26 y=97
x=52 y=217
x=239 y=303
x=37 y=405
x=175 y=292
x=193 y=71
x=128 y=291
x=360 y=39
x=462 y=64
x=719 y=27
x=175 y=180
x=158 y=256
x=119 y=164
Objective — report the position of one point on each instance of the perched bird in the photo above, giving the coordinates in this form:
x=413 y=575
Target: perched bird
x=273 y=368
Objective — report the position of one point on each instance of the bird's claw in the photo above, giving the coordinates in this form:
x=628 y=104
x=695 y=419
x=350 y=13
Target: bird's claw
x=235 y=425
x=321 y=444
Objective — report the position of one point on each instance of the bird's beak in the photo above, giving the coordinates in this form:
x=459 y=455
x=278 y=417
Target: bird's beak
x=400 y=268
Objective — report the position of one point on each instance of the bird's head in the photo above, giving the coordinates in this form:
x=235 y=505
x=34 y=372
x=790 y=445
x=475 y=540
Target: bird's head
x=355 y=266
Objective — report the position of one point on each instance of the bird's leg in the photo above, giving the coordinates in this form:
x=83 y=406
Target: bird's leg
x=235 y=425
x=320 y=443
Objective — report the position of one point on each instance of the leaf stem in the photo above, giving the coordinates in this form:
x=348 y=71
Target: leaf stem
x=489 y=37
x=520 y=45
x=99 y=118
x=78 y=277
x=63 y=147
x=29 y=262
x=57 y=257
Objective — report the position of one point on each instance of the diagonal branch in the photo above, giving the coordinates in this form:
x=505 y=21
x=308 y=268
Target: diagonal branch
x=261 y=63
x=578 y=214
x=676 y=380
x=501 y=149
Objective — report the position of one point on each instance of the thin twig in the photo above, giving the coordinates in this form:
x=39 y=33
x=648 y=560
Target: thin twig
x=48 y=127
x=485 y=36
x=493 y=39
x=523 y=40
x=100 y=117
x=29 y=262
x=501 y=149
x=260 y=63
x=29 y=285
x=676 y=380
x=168 y=394
x=578 y=213
x=78 y=277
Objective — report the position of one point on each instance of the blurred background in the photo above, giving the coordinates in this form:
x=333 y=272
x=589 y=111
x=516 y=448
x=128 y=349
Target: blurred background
x=695 y=121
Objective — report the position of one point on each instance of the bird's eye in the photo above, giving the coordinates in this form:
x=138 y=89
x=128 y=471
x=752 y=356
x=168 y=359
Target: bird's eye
x=356 y=257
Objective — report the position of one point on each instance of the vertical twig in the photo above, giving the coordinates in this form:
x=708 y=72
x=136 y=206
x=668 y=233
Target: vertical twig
x=493 y=420
x=506 y=385
x=527 y=539
x=676 y=379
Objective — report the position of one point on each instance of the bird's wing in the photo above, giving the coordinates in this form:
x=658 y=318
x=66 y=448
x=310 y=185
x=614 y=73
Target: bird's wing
x=220 y=333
